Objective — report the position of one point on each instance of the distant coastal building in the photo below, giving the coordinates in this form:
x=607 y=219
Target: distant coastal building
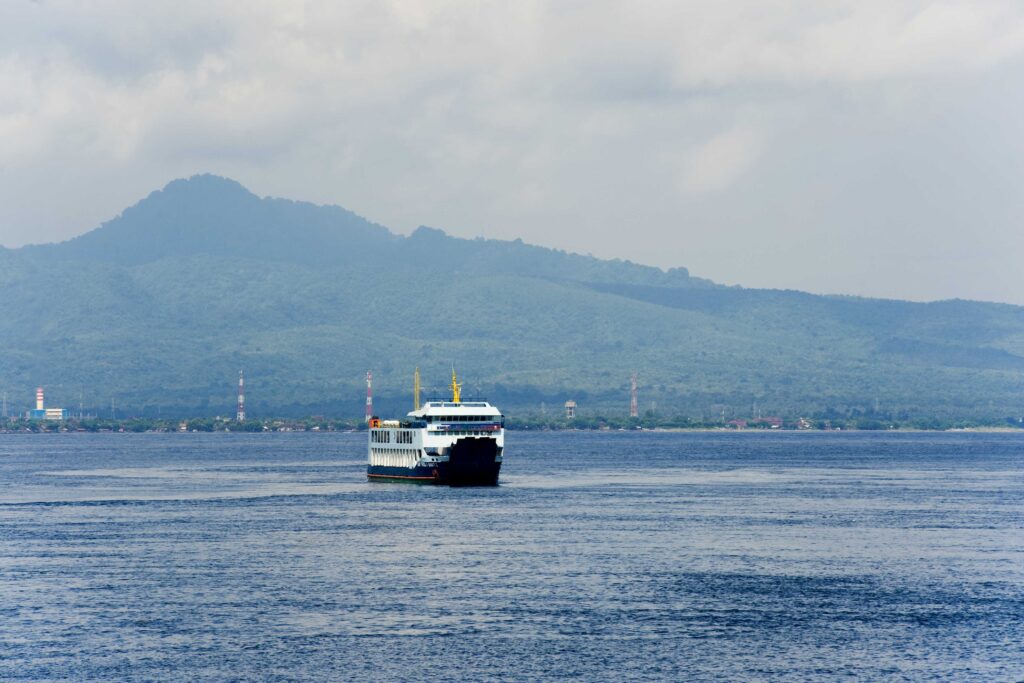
x=570 y=410
x=42 y=412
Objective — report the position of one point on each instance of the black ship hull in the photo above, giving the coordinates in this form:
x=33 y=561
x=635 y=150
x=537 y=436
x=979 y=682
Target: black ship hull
x=471 y=462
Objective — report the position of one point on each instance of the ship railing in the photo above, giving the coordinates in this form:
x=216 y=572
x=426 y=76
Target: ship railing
x=463 y=399
x=468 y=426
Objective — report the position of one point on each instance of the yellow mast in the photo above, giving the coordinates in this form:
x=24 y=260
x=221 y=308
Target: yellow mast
x=456 y=389
x=416 y=390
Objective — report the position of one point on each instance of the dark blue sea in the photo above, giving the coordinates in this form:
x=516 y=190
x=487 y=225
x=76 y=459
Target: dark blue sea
x=600 y=557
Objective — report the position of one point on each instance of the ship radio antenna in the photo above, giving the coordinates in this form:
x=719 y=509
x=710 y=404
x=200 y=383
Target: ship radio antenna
x=240 y=415
x=634 y=406
x=416 y=389
x=369 y=395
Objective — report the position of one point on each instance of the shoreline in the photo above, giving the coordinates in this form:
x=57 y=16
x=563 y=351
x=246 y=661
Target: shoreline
x=662 y=430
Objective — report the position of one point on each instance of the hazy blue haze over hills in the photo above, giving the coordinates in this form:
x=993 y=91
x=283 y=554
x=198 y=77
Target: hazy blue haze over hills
x=162 y=305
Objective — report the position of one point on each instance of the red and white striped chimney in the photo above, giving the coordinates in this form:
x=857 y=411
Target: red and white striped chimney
x=39 y=398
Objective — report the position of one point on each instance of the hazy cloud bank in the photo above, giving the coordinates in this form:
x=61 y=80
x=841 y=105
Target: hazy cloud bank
x=862 y=147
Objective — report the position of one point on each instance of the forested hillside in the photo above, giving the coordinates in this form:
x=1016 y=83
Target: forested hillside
x=161 y=306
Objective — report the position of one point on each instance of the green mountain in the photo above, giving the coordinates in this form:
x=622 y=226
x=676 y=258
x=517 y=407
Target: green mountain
x=159 y=308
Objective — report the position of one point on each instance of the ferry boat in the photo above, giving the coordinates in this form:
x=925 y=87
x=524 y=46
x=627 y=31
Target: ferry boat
x=443 y=442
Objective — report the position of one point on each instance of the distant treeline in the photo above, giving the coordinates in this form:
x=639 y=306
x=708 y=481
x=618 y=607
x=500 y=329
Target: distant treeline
x=322 y=424
x=204 y=424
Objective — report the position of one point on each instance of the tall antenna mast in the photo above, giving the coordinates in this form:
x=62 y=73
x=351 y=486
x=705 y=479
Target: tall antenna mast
x=634 y=405
x=369 y=395
x=416 y=390
x=240 y=415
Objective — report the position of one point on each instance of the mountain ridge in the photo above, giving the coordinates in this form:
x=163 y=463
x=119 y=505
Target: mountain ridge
x=210 y=207
x=161 y=305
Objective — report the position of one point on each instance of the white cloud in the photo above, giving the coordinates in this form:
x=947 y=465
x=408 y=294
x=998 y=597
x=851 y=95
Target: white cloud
x=716 y=163
x=553 y=121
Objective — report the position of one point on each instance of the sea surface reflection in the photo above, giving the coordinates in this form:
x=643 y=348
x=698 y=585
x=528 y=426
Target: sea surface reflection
x=621 y=556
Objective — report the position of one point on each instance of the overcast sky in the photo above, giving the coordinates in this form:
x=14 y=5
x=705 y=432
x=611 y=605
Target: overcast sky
x=859 y=147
